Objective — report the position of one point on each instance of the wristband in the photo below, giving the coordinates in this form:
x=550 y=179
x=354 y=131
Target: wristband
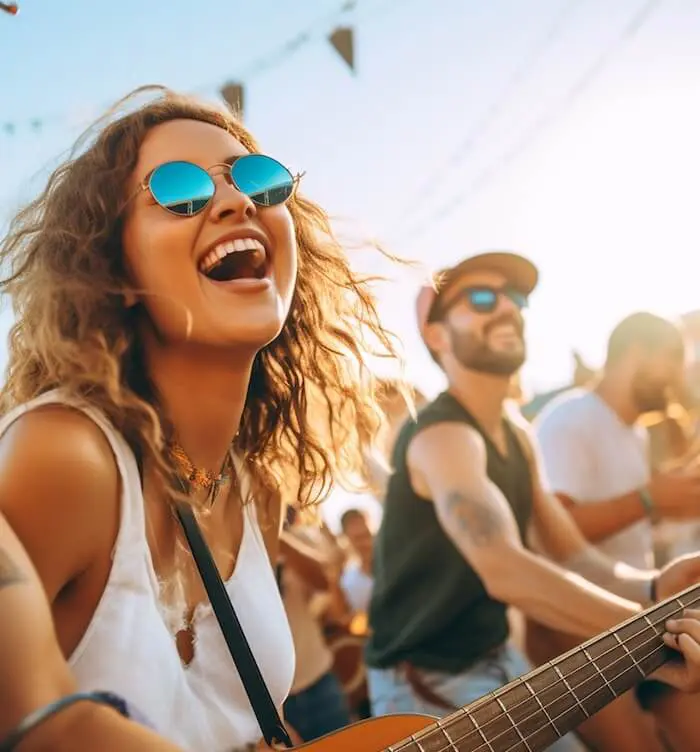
x=37 y=717
x=647 y=501
x=652 y=588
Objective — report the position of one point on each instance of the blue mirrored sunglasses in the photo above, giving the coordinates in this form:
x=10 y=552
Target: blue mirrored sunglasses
x=185 y=189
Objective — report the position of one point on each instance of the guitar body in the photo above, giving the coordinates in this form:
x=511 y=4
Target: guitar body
x=372 y=735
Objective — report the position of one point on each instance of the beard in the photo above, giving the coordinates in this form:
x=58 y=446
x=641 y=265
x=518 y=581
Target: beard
x=649 y=395
x=474 y=353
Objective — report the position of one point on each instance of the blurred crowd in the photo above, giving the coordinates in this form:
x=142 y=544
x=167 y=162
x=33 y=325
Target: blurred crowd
x=612 y=434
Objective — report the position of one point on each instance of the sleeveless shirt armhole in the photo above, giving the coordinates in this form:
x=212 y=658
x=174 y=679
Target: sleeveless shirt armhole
x=250 y=507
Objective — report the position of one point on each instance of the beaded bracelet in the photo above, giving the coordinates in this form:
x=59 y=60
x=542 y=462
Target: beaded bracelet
x=37 y=717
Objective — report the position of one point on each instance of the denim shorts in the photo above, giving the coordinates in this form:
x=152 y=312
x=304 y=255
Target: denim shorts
x=319 y=709
x=390 y=691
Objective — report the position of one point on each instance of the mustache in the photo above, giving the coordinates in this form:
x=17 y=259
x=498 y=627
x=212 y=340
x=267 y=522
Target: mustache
x=506 y=318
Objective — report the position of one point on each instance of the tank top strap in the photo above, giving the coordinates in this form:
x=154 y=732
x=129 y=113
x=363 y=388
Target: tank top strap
x=250 y=509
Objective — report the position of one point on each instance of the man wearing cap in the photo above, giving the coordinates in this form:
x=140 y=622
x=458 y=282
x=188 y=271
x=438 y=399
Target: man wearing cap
x=463 y=496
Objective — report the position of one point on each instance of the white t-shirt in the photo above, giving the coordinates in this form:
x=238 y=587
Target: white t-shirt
x=357 y=586
x=590 y=455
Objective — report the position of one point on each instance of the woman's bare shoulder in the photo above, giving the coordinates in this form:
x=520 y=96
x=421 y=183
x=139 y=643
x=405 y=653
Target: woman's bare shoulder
x=59 y=490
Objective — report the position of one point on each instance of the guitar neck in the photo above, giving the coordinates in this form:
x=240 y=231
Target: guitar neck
x=535 y=710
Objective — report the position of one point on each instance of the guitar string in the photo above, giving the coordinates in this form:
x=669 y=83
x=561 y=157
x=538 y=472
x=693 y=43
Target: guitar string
x=485 y=745
x=475 y=732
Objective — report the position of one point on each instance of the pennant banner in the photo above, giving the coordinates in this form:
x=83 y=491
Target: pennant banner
x=233 y=96
x=232 y=92
x=343 y=41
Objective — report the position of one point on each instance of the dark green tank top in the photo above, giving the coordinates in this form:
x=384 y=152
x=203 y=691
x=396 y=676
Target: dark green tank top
x=429 y=606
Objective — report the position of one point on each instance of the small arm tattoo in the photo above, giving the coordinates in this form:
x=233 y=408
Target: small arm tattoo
x=10 y=573
x=473 y=518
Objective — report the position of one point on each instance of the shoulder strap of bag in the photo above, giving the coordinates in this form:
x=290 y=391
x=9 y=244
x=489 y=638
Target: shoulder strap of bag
x=271 y=725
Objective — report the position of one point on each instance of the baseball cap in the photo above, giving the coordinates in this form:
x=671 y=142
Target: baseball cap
x=520 y=273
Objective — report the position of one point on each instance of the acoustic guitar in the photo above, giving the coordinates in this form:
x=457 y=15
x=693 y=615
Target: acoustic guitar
x=532 y=712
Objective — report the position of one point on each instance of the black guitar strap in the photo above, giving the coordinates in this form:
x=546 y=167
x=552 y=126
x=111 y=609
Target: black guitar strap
x=271 y=724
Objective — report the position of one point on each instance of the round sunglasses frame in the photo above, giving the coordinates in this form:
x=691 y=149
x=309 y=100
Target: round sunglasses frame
x=145 y=185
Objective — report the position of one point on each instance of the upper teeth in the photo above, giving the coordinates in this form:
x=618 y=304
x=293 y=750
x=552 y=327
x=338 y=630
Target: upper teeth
x=229 y=246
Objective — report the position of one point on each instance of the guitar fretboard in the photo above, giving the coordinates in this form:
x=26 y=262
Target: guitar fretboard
x=534 y=711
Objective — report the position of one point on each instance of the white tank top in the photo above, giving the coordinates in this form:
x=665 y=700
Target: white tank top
x=128 y=649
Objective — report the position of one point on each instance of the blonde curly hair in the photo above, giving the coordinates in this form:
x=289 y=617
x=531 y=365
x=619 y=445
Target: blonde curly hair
x=67 y=279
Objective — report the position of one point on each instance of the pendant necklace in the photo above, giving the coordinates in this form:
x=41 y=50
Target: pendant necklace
x=195 y=477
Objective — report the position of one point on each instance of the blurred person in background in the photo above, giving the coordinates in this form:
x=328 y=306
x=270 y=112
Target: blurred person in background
x=463 y=497
x=309 y=574
x=675 y=442
x=356 y=580
x=597 y=461
x=596 y=454
x=169 y=327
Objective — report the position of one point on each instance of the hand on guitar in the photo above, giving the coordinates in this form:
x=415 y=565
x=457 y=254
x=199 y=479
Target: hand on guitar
x=683 y=634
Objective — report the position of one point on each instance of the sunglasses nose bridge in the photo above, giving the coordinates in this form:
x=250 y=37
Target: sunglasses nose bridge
x=228 y=199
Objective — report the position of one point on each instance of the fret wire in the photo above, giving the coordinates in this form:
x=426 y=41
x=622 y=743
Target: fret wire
x=451 y=719
x=478 y=728
x=561 y=715
x=629 y=653
x=450 y=743
x=542 y=707
x=571 y=691
x=512 y=722
x=600 y=672
x=650 y=623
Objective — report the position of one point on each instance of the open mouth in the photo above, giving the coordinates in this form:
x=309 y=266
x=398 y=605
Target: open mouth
x=243 y=258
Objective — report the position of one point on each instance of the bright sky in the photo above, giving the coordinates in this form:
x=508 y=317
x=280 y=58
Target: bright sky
x=544 y=126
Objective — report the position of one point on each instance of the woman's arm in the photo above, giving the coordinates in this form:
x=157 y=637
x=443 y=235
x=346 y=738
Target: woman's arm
x=33 y=672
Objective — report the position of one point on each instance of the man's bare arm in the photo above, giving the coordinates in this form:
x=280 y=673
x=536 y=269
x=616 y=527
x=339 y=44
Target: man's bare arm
x=447 y=462
x=604 y=518
x=556 y=534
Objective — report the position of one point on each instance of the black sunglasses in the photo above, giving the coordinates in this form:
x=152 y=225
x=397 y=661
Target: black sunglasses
x=483 y=299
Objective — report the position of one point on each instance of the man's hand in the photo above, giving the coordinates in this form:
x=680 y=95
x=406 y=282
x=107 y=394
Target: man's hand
x=683 y=635
x=676 y=495
x=678 y=575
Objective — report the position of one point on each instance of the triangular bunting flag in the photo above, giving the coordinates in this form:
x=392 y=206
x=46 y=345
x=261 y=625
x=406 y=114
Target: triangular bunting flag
x=343 y=40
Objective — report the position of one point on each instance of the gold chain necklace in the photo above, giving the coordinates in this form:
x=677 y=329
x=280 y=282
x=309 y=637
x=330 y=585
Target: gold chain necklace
x=195 y=477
